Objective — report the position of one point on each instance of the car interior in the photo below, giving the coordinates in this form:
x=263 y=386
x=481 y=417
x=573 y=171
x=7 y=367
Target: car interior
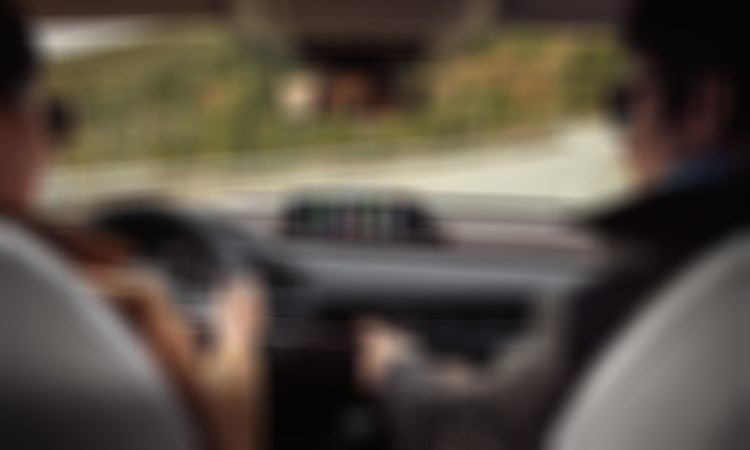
x=469 y=276
x=463 y=302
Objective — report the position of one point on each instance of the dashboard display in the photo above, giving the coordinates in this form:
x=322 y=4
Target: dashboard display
x=360 y=218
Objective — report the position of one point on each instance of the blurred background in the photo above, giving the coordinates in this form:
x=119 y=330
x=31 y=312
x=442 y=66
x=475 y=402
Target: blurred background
x=216 y=109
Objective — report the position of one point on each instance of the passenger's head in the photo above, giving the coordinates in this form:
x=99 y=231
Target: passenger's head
x=23 y=130
x=689 y=90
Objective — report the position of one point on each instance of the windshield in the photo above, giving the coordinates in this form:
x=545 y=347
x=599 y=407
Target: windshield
x=205 y=109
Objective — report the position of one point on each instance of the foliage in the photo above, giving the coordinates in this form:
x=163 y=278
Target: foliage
x=198 y=89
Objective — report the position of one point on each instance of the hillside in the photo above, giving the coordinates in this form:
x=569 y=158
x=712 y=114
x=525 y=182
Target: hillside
x=197 y=90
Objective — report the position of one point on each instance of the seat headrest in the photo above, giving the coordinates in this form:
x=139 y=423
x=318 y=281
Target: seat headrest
x=71 y=374
x=679 y=377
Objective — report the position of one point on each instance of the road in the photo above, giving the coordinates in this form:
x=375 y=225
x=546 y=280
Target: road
x=576 y=163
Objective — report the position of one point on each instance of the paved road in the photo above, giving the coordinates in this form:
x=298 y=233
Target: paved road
x=577 y=163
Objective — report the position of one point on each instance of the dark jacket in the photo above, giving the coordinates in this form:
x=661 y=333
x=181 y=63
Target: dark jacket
x=651 y=239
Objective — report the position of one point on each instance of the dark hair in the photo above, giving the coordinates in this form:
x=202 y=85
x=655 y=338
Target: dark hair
x=18 y=60
x=686 y=41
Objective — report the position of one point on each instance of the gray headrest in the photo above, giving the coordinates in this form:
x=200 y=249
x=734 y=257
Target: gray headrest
x=679 y=379
x=71 y=375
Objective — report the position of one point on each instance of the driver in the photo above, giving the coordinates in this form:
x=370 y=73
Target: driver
x=221 y=384
x=685 y=113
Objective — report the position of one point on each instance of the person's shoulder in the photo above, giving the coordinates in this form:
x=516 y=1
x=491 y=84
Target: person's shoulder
x=77 y=243
x=675 y=217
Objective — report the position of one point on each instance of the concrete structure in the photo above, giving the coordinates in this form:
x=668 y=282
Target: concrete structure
x=509 y=10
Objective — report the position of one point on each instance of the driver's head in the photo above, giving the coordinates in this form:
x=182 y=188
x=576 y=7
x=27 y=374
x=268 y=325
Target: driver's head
x=688 y=94
x=24 y=134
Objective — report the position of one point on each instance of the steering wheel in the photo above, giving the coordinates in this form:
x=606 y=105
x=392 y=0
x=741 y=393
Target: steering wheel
x=192 y=256
x=197 y=256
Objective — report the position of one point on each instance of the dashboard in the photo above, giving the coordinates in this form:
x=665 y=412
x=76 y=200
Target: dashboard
x=358 y=217
x=338 y=259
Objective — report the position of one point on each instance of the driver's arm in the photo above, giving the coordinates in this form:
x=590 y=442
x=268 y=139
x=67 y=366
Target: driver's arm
x=222 y=384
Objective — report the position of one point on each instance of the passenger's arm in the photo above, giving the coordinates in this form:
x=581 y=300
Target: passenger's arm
x=430 y=401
